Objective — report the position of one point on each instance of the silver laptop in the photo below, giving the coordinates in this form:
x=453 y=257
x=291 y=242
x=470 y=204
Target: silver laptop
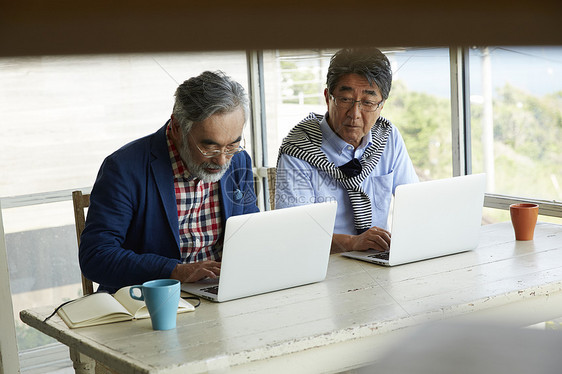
x=269 y=251
x=432 y=219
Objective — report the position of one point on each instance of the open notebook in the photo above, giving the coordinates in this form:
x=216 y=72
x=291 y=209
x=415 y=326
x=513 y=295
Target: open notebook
x=432 y=219
x=100 y=308
x=271 y=250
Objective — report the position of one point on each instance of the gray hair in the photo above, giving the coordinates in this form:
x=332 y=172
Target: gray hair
x=210 y=93
x=370 y=63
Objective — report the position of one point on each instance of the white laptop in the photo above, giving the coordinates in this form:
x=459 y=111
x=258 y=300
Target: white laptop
x=270 y=251
x=432 y=219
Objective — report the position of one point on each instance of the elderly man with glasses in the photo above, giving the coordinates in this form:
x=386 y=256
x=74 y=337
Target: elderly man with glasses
x=351 y=154
x=159 y=204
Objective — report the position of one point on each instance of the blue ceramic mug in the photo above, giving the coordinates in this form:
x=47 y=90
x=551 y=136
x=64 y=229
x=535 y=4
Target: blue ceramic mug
x=161 y=297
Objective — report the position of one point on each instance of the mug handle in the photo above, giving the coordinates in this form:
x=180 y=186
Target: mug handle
x=131 y=293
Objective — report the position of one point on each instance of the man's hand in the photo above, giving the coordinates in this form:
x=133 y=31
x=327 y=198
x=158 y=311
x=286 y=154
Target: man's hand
x=374 y=238
x=196 y=271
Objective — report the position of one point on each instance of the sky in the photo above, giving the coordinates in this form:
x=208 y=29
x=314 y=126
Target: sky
x=537 y=70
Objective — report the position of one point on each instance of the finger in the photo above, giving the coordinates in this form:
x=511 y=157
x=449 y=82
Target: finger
x=386 y=237
x=210 y=273
x=199 y=274
x=381 y=230
x=214 y=270
x=377 y=232
x=381 y=243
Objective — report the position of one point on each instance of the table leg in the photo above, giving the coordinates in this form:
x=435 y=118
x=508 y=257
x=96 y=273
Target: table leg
x=82 y=364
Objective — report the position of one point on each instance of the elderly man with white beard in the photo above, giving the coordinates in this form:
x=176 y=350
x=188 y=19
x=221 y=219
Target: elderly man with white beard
x=160 y=203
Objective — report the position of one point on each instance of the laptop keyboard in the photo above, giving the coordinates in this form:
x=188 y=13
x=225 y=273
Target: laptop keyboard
x=214 y=290
x=380 y=255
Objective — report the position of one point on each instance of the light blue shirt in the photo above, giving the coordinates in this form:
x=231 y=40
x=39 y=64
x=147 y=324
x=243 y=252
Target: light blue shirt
x=299 y=183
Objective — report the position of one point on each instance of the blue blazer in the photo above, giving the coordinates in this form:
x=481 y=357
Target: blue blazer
x=132 y=229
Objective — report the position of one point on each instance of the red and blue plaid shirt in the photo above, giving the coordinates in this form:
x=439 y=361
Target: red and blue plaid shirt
x=199 y=212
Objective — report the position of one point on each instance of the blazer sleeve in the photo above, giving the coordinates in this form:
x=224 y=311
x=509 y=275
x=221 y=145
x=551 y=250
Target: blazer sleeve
x=237 y=187
x=117 y=246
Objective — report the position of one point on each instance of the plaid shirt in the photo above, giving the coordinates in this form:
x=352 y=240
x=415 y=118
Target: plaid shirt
x=199 y=212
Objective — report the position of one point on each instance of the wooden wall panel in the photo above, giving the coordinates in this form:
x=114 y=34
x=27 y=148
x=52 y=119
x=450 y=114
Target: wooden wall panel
x=38 y=27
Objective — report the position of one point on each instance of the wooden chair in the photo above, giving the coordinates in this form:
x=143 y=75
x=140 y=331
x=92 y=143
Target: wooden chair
x=271 y=178
x=81 y=202
x=81 y=362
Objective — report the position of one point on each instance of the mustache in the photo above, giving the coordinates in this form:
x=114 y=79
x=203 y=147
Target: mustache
x=213 y=166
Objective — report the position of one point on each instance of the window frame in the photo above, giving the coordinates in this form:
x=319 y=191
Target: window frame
x=461 y=136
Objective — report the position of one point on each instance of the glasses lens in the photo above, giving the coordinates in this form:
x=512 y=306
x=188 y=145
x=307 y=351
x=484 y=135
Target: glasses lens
x=347 y=103
x=211 y=154
x=368 y=106
x=232 y=152
x=344 y=102
x=227 y=152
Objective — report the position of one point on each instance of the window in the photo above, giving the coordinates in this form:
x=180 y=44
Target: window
x=527 y=86
x=61 y=116
x=516 y=101
x=419 y=105
x=419 y=102
x=294 y=83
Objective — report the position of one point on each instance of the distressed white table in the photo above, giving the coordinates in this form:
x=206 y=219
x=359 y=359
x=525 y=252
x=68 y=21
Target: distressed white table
x=343 y=322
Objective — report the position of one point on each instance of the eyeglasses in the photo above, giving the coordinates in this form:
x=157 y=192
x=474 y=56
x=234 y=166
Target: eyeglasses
x=229 y=151
x=348 y=103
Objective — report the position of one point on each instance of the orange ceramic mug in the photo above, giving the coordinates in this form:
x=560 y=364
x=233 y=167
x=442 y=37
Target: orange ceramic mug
x=524 y=220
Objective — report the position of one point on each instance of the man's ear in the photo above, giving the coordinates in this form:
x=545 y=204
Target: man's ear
x=175 y=131
x=326 y=95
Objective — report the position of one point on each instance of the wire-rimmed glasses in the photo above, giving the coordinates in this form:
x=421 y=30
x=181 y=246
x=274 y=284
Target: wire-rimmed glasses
x=348 y=103
x=228 y=151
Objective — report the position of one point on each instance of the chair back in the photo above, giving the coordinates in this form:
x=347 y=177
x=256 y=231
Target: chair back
x=271 y=179
x=81 y=202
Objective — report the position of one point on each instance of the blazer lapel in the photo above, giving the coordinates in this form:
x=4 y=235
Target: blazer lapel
x=164 y=179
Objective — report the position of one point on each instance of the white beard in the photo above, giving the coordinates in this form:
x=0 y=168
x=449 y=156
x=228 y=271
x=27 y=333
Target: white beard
x=198 y=171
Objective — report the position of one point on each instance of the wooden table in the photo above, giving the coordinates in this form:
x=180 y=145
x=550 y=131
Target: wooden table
x=346 y=321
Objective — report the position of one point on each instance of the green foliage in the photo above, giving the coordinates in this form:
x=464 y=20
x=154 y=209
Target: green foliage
x=528 y=123
x=527 y=142
x=300 y=81
x=527 y=138
x=425 y=124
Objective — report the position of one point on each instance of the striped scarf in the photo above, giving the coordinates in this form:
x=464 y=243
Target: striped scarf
x=304 y=141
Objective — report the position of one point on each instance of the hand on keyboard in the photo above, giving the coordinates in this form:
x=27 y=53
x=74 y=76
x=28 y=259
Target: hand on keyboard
x=196 y=271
